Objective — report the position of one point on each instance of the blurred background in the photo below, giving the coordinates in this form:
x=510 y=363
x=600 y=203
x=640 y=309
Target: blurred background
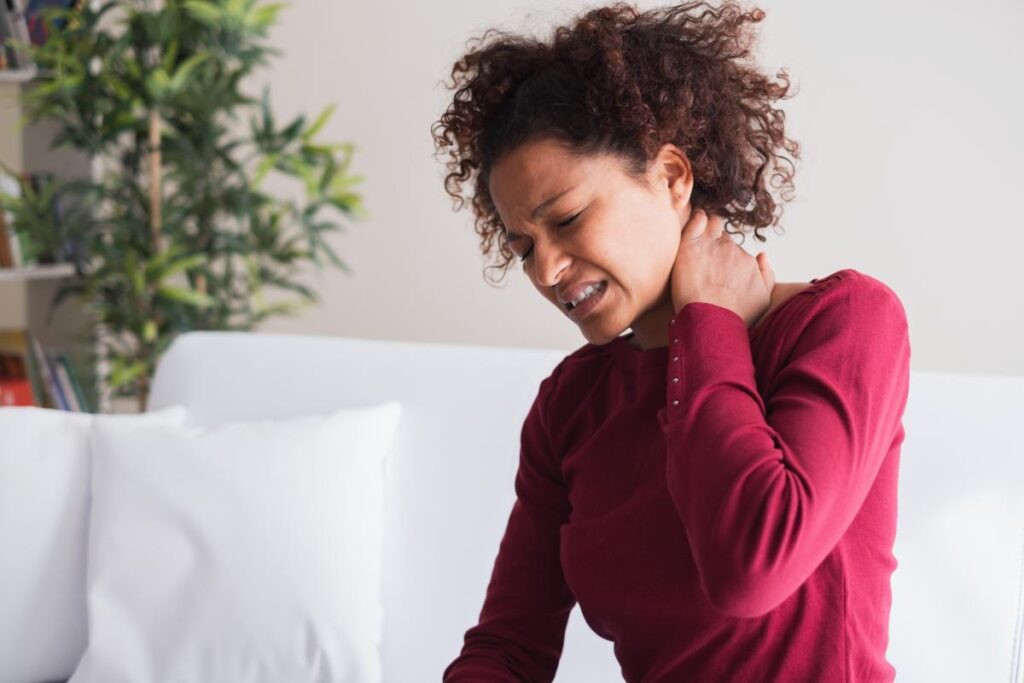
x=905 y=116
x=904 y=112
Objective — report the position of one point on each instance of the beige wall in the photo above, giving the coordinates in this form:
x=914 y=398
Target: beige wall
x=904 y=114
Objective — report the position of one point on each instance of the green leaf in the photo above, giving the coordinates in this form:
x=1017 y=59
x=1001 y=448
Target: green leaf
x=263 y=168
x=187 y=263
x=158 y=261
x=328 y=175
x=120 y=88
x=344 y=182
x=279 y=308
x=187 y=67
x=263 y=17
x=290 y=133
x=136 y=275
x=268 y=115
x=186 y=296
x=76 y=288
x=236 y=8
x=157 y=84
x=170 y=54
x=125 y=372
x=325 y=150
x=318 y=123
x=205 y=12
x=306 y=172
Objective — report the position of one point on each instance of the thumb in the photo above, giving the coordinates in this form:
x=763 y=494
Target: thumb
x=767 y=274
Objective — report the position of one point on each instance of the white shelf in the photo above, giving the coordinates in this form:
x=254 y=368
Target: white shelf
x=19 y=75
x=27 y=292
x=48 y=271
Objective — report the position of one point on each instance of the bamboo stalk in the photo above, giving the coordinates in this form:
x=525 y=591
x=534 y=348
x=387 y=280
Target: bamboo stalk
x=155 y=180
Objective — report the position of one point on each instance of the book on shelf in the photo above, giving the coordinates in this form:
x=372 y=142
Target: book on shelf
x=14 y=25
x=33 y=376
x=22 y=20
x=10 y=248
x=33 y=9
x=14 y=245
x=11 y=252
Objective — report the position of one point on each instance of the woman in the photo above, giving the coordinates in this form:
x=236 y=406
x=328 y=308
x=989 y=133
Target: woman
x=717 y=488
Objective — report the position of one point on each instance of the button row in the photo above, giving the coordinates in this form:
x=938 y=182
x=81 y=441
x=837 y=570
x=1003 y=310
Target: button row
x=675 y=359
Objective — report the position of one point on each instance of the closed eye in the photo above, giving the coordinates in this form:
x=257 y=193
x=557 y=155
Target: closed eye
x=568 y=220
x=563 y=224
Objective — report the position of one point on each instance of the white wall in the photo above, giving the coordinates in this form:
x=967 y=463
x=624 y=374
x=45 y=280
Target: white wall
x=904 y=116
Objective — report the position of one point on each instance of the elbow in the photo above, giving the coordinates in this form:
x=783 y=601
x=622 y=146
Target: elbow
x=745 y=596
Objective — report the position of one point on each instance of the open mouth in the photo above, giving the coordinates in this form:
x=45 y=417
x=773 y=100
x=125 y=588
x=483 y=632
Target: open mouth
x=597 y=289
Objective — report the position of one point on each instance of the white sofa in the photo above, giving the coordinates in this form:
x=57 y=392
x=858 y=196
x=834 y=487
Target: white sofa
x=960 y=546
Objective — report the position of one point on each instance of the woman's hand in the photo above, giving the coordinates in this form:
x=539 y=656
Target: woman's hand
x=711 y=267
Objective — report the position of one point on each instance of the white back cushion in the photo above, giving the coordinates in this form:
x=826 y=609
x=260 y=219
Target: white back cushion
x=44 y=515
x=247 y=552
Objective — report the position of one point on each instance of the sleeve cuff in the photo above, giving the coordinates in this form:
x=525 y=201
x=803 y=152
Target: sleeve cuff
x=705 y=341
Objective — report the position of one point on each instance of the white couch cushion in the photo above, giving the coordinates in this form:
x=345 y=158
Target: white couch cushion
x=44 y=508
x=246 y=552
x=960 y=537
x=455 y=460
x=955 y=590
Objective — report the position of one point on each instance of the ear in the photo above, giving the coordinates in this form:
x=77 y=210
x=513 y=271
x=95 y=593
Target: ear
x=674 y=175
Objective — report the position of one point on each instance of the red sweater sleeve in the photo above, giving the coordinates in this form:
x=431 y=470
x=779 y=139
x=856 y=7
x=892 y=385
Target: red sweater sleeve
x=521 y=628
x=766 y=487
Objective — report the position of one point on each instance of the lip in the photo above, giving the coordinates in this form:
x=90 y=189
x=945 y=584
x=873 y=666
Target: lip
x=564 y=296
x=587 y=306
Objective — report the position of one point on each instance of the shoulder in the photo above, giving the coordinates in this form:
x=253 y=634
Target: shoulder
x=849 y=289
x=851 y=302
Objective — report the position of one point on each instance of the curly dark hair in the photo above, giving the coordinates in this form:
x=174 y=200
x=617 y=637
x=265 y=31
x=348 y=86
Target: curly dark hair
x=624 y=82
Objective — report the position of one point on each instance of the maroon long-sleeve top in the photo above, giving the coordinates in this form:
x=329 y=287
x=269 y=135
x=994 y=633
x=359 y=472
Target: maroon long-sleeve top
x=722 y=509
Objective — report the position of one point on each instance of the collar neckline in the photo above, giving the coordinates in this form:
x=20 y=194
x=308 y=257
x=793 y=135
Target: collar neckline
x=656 y=359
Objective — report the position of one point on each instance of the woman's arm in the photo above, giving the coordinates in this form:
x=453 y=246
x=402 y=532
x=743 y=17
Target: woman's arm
x=766 y=490
x=521 y=628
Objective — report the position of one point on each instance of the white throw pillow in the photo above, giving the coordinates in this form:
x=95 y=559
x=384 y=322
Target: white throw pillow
x=44 y=509
x=247 y=552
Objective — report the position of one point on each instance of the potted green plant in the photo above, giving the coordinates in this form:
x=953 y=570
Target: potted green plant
x=176 y=232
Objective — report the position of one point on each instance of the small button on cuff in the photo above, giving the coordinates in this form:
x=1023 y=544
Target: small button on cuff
x=675 y=403
x=675 y=379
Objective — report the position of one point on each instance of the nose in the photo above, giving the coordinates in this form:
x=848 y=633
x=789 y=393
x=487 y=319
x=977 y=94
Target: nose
x=548 y=262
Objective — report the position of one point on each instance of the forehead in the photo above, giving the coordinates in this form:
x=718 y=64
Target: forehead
x=532 y=172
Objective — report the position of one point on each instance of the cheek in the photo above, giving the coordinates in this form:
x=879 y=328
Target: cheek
x=647 y=262
x=664 y=247
x=650 y=267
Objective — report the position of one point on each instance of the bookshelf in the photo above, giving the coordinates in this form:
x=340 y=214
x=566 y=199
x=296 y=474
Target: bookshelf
x=21 y=75
x=50 y=270
x=26 y=292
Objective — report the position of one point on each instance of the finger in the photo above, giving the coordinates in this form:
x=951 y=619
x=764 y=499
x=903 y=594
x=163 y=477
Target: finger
x=767 y=273
x=716 y=226
x=725 y=238
x=696 y=225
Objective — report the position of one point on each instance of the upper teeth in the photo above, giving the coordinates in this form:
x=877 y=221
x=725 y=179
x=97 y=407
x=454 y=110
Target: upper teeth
x=587 y=292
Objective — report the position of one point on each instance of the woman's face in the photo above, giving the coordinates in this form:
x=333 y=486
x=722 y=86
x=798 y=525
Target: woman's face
x=581 y=221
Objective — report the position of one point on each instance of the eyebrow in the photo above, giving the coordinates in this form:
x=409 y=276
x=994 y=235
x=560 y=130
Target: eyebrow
x=548 y=202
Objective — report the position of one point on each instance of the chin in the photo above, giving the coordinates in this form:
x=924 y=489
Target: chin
x=599 y=337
